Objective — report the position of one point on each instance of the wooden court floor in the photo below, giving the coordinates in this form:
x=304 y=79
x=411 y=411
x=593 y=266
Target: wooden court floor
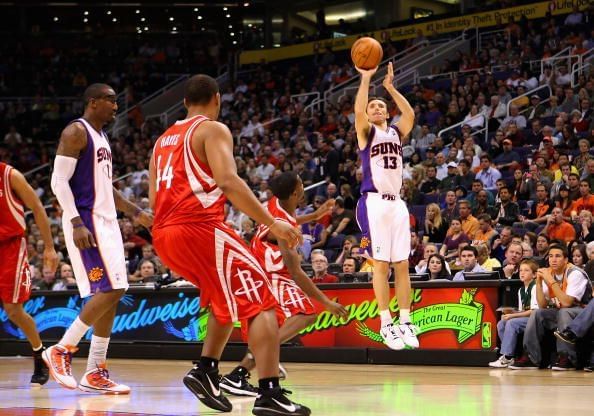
x=329 y=389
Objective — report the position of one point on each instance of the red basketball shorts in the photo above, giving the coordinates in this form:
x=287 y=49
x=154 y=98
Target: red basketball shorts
x=15 y=277
x=214 y=258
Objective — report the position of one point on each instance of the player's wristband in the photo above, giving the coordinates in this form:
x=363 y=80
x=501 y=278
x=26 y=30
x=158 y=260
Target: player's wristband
x=78 y=225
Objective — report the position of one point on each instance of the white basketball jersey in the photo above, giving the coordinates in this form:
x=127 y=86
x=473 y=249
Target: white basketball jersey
x=91 y=183
x=381 y=161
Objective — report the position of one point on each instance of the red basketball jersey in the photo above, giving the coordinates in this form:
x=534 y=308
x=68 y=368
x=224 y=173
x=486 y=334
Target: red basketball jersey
x=185 y=189
x=12 y=214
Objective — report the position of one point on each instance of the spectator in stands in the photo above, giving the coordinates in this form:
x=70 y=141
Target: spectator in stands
x=146 y=272
x=470 y=225
x=585 y=228
x=585 y=202
x=133 y=243
x=566 y=288
x=432 y=115
x=501 y=243
x=466 y=176
x=575 y=18
x=451 y=180
x=431 y=184
x=425 y=140
x=437 y=268
x=579 y=257
x=349 y=265
x=319 y=263
x=67 y=275
x=469 y=260
x=539 y=210
x=562 y=76
x=486 y=262
x=557 y=228
x=441 y=166
x=535 y=111
x=312 y=237
x=513 y=257
x=505 y=212
x=485 y=230
x=481 y=203
x=451 y=206
x=430 y=249
x=581 y=160
x=48 y=279
x=343 y=221
x=514 y=117
x=455 y=237
x=509 y=159
x=436 y=227
x=417 y=250
x=496 y=113
x=487 y=174
x=347 y=245
x=513 y=323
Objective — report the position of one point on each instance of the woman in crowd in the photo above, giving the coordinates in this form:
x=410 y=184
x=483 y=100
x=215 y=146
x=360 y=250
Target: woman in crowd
x=437 y=268
x=436 y=227
x=453 y=240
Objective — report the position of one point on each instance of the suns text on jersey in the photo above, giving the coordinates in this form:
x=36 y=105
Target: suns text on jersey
x=169 y=140
x=386 y=148
x=103 y=153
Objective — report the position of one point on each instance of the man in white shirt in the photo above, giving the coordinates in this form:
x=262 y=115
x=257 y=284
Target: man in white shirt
x=515 y=117
x=488 y=175
x=441 y=166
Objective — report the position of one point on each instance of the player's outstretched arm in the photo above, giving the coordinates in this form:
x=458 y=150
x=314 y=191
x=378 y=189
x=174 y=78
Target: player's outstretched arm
x=132 y=210
x=291 y=260
x=218 y=147
x=325 y=209
x=23 y=190
x=362 y=125
x=72 y=141
x=407 y=119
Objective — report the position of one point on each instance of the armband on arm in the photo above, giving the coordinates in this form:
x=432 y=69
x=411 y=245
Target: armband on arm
x=64 y=167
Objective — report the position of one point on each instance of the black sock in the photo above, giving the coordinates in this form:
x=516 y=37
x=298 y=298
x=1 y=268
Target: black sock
x=240 y=370
x=268 y=383
x=508 y=357
x=209 y=364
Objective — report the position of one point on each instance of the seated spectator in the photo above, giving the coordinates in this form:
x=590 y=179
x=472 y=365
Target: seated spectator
x=542 y=245
x=148 y=253
x=539 y=210
x=421 y=266
x=584 y=202
x=505 y=212
x=65 y=278
x=437 y=268
x=513 y=257
x=513 y=323
x=431 y=184
x=312 y=237
x=416 y=250
x=585 y=227
x=133 y=243
x=514 y=117
x=557 y=228
x=485 y=232
x=455 y=236
x=579 y=257
x=319 y=263
x=508 y=159
x=435 y=227
x=347 y=245
x=146 y=273
x=349 y=265
x=469 y=260
x=486 y=262
x=487 y=174
x=48 y=279
x=561 y=290
x=481 y=203
x=470 y=225
x=578 y=329
x=343 y=221
x=474 y=118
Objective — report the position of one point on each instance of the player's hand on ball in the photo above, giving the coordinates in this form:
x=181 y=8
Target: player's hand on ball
x=336 y=309
x=50 y=258
x=366 y=73
x=285 y=231
x=389 y=78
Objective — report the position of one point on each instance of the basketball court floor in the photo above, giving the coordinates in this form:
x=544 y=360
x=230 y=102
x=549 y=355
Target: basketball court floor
x=329 y=389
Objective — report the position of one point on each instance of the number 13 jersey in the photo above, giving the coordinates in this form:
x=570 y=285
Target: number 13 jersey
x=381 y=161
x=185 y=189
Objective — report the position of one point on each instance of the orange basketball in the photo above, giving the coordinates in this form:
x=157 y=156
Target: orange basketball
x=366 y=53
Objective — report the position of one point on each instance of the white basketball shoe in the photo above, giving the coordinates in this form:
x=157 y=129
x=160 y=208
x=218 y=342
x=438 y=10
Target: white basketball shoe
x=392 y=336
x=408 y=333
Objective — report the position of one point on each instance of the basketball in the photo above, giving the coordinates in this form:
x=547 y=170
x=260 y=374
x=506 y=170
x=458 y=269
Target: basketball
x=366 y=53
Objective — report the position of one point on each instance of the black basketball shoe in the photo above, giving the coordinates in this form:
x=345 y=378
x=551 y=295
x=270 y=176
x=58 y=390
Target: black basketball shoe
x=205 y=385
x=238 y=385
x=274 y=402
x=40 y=370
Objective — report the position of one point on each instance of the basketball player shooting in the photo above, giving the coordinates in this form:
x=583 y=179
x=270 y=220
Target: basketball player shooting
x=382 y=216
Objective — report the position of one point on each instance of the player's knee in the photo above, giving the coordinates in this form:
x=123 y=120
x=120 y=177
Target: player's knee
x=309 y=320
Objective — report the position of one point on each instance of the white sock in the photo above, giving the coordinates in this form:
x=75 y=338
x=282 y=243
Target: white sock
x=386 y=317
x=97 y=352
x=405 y=316
x=74 y=334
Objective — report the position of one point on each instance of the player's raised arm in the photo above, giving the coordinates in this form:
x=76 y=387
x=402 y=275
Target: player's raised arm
x=23 y=190
x=407 y=119
x=218 y=147
x=72 y=141
x=361 y=120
